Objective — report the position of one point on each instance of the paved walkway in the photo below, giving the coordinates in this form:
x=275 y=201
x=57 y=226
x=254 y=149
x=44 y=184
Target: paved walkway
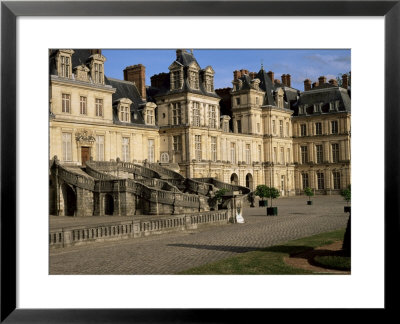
x=171 y=253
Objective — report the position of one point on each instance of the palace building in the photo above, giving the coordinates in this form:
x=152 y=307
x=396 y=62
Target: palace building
x=260 y=131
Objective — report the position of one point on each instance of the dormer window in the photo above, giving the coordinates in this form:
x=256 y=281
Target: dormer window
x=176 y=81
x=124 y=114
x=97 y=68
x=194 y=79
x=149 y=113
x=64 y=63
x=209 y=83
x=98 y=73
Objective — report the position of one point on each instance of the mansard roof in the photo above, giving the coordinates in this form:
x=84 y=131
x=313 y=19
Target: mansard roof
x=80 y=56
x=126 y=89
x=324 y=96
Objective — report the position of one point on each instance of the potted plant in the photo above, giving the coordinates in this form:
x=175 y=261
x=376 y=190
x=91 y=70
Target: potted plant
x=309 y=192
x=217 y=199
x=346 y=194
x=261 y=191
x=272 y=193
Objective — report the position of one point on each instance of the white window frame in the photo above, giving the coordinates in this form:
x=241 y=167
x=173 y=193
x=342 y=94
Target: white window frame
x=67 y=147
x=100 y=147
x=125 y=149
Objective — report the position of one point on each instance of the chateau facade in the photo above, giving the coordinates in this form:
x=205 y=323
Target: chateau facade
x=260 y=131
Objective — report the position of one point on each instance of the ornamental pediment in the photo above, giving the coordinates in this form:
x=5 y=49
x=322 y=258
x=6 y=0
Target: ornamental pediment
x=174 y=66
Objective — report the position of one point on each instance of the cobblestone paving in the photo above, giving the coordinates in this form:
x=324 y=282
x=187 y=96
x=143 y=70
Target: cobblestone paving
x=171 y=253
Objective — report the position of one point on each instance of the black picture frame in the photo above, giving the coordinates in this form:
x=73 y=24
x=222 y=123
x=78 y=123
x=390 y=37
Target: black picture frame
x=11 y=10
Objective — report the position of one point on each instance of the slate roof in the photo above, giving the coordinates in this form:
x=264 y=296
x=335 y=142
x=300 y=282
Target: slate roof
x=324 y=96
x=126 y=89
x=80 y=56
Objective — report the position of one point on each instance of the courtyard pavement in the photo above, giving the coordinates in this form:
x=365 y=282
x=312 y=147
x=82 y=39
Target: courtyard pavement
x=171 y=253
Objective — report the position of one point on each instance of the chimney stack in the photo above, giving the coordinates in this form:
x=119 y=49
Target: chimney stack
x=288 y=80
x=315 y=84
x=333 y=82
x=271 y=75
x=345 y=81
x=137 y=74
x=307 y=84
x=283 y=77
x=252 y=75
x=244 y=72
x=178 y=53
x=236 y=75
x=322 y=80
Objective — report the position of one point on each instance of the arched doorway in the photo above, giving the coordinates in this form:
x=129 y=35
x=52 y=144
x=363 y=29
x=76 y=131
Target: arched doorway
x=249 y=181
x=108 y=204
x=69 y=198
x=234 y=179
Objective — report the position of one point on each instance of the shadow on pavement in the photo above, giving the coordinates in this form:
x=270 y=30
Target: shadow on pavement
x=242 y=249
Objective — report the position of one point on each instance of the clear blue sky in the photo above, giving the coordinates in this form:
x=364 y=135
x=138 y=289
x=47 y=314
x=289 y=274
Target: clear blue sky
x=300 y=64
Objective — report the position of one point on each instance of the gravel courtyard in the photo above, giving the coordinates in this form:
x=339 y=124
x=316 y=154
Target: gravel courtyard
x=171 y=253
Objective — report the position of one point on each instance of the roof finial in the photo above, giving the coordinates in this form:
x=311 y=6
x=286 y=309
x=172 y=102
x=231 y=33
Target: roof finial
x=191 y=51
x=262 y=65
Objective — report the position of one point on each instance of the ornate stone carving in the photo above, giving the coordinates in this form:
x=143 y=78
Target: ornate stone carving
x=84 y=136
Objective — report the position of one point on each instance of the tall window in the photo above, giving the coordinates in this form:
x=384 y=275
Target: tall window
x=233 y=153
x=248 y=154
x=176 y=79
x=334 y=127
x=213 y=148
x=150 y=117
x=304 y=154
x=304 y=177
x=288 y=155
x=282 y=155
x=177 y=143
x=66 y=103
x=125 y=149
x=99 y=107
x=281 y=128
x=258 y=128
x=209 y=83
x=83 y=105
x=318 y=128
x=319 y=153
x=259 y=153
x=65 y=66
x=275 y=155
x=151 y=150
x=66 y=146
x=194 y=80
x=176 y=113
x=237 y=101
x=239 y=126
x=98 y=73
x=273 y=127
x=335 y=153
x=124 y=114
x=196 y=114
x=303 y=130
x=320 y=180
x=287 y=129
x=100 y=148
x=197 y=147
x=336 y=180
x=212 y=117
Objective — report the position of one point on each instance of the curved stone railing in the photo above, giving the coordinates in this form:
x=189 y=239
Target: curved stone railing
x=75 y=179
x=165 y=171
x=223 y=185
x=135 y=169
x=198 y=187
x=157 y=183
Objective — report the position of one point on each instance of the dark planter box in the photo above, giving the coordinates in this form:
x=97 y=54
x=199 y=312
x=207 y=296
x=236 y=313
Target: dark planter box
x=263 y=203
x=272 y=211
x=309 y=202
x=347 y=209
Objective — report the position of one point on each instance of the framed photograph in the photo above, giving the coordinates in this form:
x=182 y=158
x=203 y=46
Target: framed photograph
x=31 y=289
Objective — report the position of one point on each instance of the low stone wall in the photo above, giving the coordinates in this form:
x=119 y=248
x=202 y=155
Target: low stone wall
x=80 y=235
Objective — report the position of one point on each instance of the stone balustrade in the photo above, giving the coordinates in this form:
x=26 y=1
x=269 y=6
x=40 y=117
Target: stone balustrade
x=79 y=235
